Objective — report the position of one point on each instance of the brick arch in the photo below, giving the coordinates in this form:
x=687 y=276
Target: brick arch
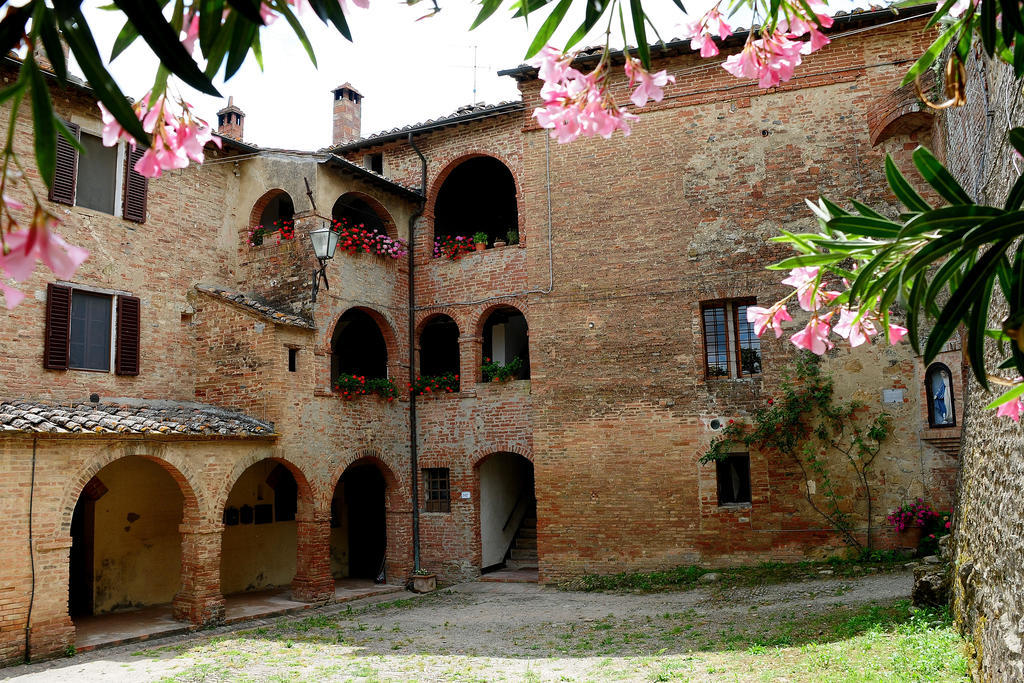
x=385 y=216
x=426 y=316
x=308 y=503
x=482 y=453
x=485 y=313
x=261 y=204
x=442 y=175
x=387 y=329
x=394 y=484
x=194 y=506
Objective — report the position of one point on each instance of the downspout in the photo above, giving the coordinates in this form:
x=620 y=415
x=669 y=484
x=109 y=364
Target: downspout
x=413 y=454
x=31 y=554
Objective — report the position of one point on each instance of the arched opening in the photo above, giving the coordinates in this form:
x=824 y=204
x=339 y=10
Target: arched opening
x=259 y=545
x=358 y=347
x=351 y=210
x=508 y=513
x=439 y=347
x=125 y=541
x=478 y=195
x=278 y=208
x=938 y=381
x=359 y=524
x=506 y=341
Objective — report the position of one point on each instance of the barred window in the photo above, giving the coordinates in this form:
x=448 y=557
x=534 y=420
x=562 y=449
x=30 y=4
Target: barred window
x=731 y=349
x=437 y=490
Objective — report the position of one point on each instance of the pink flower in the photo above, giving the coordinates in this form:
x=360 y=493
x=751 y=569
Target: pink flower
x=857 y=331
x=814 y=337
x=1011 y=409
x=26 y=246
x=960 y=6
x=650 y=86
x=809 y=294
x=191 y=30
x=762 y=317
x=112 y=130
x=699 y=32
x=771 y=60
x=12 y=296
x=896 y=334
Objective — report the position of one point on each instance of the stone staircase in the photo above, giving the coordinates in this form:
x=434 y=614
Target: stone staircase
x=523 y=553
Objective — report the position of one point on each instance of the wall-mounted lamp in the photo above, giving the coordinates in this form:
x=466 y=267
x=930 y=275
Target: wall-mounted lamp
x=325 y=241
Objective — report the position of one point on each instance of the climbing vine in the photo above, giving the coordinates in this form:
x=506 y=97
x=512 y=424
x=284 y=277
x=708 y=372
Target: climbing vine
x=806 y=425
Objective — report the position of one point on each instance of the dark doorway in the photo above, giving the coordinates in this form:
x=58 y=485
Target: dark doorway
x=478 y=195
x=278 y=209
x=80 y=589
x=367 y=522
x=358 y=347
x=439 y=347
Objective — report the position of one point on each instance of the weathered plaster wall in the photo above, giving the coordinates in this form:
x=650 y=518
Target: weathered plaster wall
x=989 y=519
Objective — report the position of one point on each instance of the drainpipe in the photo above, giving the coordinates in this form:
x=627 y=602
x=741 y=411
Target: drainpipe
x=31 y=555
x=413 y=454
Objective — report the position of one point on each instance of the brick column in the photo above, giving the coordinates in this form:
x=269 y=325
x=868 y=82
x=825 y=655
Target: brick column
x=200 y=601
x=313 y=581
x=52 y=630
x=470 y=359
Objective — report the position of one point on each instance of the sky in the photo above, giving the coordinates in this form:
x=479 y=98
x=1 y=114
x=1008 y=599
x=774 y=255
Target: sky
x=407 y=70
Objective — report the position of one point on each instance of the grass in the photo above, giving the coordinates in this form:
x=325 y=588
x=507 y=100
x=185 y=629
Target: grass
x=687 y=577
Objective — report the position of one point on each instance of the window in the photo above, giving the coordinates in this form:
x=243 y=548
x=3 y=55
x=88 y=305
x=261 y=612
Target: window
x=102 y=178
x=293 y=360
x=731 y=349
x=91 y=330
x=938 y=383
x=733 y=474
x=438 y=498
x=374 y=162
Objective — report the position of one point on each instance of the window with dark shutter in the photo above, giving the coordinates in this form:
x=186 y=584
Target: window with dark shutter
x=89 y=347
x=58 y=327
x=126 y=361
x=733 y=474
x=66 y=175
x=136 y=186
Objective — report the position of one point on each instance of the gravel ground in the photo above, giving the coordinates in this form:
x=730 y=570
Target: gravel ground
x=493 y=631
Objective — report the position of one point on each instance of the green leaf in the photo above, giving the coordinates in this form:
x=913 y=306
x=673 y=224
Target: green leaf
x=936 y=175
x=640 y=31
x=1012 y=22
x=931 y=54
x=525 y=7
x=164 y=42
x=951 y=267
x=1013 y=393
x=866 y=226
x=250 y=9
x=1007 y=226
x=79 y=39
x=219 y=49
x=299 y=31
x=866 y=273
x=46 y=21
x=988 y=26
x=914 y=310
x=45 y=133
x=68 y=135
x=16 y=88
x=941 y=12
x=242 y=39
x=976 y=334
x=330 y=11
x=546 y=29
x=595 y=9
x=865 y=210
x=487 y=8
x=903 y=190
x=949 y=218
x=211 y=13
x=804 y=261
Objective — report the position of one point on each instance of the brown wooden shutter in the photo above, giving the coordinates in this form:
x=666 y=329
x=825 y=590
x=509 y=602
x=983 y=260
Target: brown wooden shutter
x=126 y=360
x=66 y=176
x=136 y=186
x=58 y=327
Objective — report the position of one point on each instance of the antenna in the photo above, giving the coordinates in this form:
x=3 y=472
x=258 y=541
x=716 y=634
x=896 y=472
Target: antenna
x=474 y=75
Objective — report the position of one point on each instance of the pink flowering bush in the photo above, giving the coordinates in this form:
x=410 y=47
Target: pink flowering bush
x=452 y=247
x=357 y=238
x=916 y=514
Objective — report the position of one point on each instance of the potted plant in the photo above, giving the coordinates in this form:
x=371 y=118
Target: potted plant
x=480 y=240
x=910 y=520
x=423 y=581
x=513 y=236
x=493 y=371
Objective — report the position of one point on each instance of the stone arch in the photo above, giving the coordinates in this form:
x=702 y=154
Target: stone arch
x=265 y=201
x=378 y=209
x=485 y=313
x=307 y=503
x=438 y=184
x=195 y=506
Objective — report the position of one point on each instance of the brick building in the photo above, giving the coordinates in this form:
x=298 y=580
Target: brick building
x=168 y=428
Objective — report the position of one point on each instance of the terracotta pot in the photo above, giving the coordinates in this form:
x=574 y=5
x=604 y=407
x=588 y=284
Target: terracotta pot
x=424 y=583
x=499 y=243
x=909 y=537
x=480 y=246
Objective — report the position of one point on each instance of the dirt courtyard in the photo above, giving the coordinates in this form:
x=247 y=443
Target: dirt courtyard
x=820 y=628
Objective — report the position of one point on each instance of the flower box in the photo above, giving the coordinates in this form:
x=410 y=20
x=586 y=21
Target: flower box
x=424 y=583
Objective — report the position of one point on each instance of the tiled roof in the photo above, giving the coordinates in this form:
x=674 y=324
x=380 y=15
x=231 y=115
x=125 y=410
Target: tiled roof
x=258 y=307
x=128 y=416
x=375 y=178
x=469 y=112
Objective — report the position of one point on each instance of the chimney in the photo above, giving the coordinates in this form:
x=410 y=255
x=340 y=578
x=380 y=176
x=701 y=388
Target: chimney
x=347 y=109
x=231 y=121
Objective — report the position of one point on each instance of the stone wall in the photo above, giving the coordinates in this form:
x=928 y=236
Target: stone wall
x=988 y=531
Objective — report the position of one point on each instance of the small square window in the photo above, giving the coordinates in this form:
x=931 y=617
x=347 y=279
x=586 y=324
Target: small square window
x=437 y=489
x=293 y=360
x=731 y=349
x=733 y=473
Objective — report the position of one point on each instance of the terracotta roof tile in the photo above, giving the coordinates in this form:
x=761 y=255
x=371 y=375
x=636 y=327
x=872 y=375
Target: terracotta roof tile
x=257 y=306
